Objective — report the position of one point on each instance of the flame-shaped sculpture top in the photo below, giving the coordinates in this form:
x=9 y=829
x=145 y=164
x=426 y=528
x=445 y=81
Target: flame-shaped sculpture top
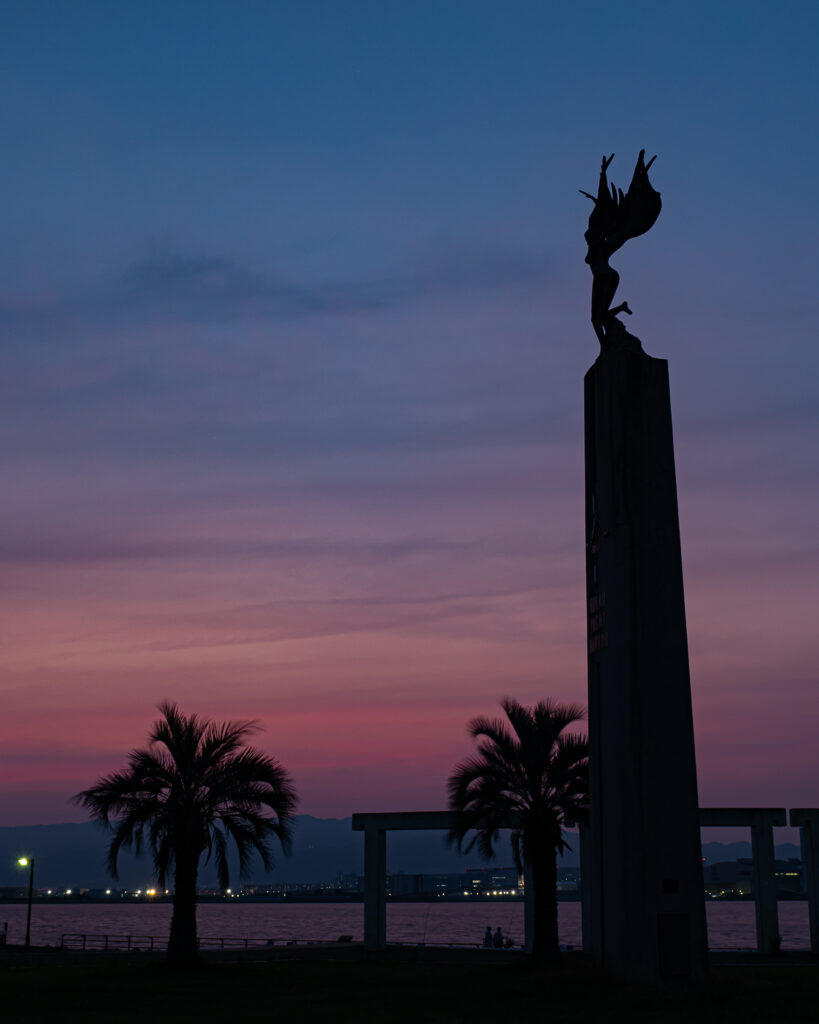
x=614 y=219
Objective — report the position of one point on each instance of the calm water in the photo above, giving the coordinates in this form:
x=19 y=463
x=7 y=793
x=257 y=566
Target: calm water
x=730 y=925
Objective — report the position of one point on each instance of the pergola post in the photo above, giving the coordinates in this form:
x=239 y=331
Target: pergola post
x=806 y=819
x=764 y=882
x=375 y=888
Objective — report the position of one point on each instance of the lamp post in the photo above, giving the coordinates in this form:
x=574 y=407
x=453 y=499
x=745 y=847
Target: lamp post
x=29 y=863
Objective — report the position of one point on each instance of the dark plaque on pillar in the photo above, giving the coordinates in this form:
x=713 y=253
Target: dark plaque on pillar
x=645 y=890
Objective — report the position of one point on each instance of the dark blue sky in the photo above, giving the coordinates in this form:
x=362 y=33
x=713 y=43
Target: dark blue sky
x=294 y=320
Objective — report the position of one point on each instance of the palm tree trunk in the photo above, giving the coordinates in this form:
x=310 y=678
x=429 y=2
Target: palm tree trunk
x=543 y=872
x=182 y=942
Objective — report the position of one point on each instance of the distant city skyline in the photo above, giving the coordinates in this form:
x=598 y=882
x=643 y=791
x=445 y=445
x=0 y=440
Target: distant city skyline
x=295 y=320
x=73 y=856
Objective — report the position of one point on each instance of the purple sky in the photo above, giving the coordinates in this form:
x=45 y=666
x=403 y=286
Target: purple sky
x=295 y=321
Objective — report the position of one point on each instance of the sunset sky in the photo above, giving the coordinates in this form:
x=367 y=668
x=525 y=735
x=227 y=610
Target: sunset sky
x=294 y=320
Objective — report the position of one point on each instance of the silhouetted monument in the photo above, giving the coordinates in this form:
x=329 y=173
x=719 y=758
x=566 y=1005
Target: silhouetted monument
x=646 y=905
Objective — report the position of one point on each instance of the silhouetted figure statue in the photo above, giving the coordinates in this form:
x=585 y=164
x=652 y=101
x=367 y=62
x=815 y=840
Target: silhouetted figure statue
x=614 y=219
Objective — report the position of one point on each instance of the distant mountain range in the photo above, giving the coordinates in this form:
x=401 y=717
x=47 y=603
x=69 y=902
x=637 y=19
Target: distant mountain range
x=73 y=856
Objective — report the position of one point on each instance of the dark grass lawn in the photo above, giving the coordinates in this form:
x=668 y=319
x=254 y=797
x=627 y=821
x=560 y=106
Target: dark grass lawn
x=152 y=993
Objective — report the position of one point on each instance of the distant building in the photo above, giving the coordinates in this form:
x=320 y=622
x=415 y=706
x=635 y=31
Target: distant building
x=735 y=877
x=481 y=882
x=348 y=881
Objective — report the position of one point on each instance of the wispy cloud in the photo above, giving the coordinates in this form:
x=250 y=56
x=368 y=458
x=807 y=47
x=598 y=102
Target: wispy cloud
x=170 y=287
x=96 y=548
x=502 y=613
x=198 y=286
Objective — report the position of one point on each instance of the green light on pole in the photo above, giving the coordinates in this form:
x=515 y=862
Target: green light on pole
x=29 y=863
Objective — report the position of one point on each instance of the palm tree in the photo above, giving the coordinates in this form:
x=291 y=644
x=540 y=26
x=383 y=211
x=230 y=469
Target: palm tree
x=533 y=779
x=195 y=787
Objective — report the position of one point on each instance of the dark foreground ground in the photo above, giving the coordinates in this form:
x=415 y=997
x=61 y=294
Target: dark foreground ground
x=93 y=989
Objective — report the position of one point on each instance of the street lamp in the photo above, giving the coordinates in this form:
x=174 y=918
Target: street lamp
x=29 y=863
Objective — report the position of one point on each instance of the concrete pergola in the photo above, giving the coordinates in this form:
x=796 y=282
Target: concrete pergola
x=760 y=820
x=375 y=827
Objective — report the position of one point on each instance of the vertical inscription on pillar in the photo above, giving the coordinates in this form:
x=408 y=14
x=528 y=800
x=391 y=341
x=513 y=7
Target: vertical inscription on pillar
x=598 y=634
x=592 y=546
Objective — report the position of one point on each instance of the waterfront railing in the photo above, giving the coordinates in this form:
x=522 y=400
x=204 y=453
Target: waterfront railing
x=91 y=942
x=158 y=943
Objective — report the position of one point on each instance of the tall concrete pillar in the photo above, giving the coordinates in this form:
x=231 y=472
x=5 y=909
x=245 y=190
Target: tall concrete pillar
x=646 y=905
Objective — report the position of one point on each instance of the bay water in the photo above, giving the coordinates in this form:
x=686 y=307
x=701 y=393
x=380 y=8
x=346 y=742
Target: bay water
x=730 y=924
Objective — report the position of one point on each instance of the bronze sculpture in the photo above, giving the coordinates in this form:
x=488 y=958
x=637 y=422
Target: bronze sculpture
x=614 y=219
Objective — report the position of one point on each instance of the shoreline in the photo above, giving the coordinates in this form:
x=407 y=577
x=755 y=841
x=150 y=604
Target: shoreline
x=356 y=898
